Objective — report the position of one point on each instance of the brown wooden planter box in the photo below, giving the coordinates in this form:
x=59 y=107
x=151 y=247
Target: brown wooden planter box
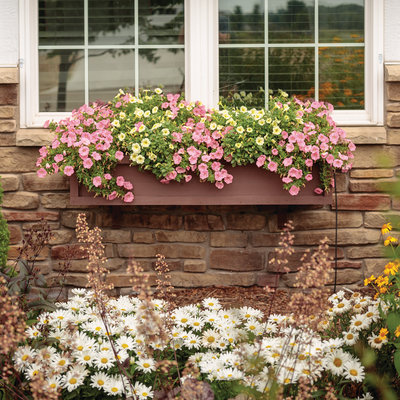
x=251 y=186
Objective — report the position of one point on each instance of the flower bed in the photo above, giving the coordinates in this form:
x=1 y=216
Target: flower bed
x=175 y=139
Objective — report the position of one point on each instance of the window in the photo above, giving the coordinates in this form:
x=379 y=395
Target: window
x=78 y=51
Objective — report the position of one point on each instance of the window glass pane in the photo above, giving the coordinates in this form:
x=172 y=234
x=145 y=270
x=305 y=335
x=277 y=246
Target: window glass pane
x=61 y=22
x=104 y=83
x=290 y=21
x=164 y=67
x=341 y=77
x=161 y=22
x=341 y=21
x=241 y=21
x=242 y=70
x=61 y=80
x=111 y=22
x=292 y=70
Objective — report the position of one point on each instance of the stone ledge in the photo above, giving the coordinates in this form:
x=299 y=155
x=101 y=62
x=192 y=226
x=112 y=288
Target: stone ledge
x=9 y=75
x=392 y=73
x=366 y=135
x=34 y=137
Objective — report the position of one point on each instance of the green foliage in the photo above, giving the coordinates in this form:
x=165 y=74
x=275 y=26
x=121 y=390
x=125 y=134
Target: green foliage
x=4 y=235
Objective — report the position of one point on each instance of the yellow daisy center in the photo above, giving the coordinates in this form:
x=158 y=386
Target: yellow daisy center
x=337 y=362
x=100 y=382
x=146 y=365
x=72 y=381
x=86 y=358
x=61 y=362
x=104 y=360
x=353 y=372
x=25 y=357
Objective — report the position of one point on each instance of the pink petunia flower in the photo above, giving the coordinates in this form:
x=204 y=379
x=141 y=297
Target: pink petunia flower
x=55 y=144
x=309 y=163
x=119 y=155
x=128 y=198
x=309 y=177
x=337 y=163
x=87 y=163
x=286 y=179
x=96 y=156
x=42 y=173
x=272 y=166
x=128 y=185
x=58 y=158
x=219 y=185
x=180 y=170
x=261 y=161
x=68 y=170
x=275 y=152
x=177 y=158
x=97 y=181
x=188 y=178
x=120 y=181
x=46 y=124
x=107 y=176
x=112 y=195
x=287 y=161
x=228 y=179
x=318 y=191
x=294 y=190
x=84 y=151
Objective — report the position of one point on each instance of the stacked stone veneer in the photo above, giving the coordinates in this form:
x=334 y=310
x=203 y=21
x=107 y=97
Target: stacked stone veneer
x=205 y=245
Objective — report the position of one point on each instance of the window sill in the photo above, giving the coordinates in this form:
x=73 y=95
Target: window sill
x=37 y=137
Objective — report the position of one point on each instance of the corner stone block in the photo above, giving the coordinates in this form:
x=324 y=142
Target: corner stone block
x=223 y=239
x=195 y=266
x=21 y=200
x=362 y=202
x=199 y=222
x=375 y=267
x=344 y=277
x=190 y=280
x=32 y=183
x=11 y=159
x=68 y=218
x=18 y=216
x=392 y=73
x=237 y=260
x=8 y=139
x=8 y=112
x=9 y=95
x=10 y=183
x=246 y=222
x=8 y=125
x=393 y=91
x=393 y=136
x=9 y=75
x=309 y=220
x=393 y=120
x=181 y=236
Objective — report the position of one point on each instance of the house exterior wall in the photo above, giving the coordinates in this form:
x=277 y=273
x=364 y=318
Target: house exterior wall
x=208 y=245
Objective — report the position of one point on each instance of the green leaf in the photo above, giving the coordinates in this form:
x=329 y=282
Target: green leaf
x=23 y=267
x=31 y=322
x=393 y=321
x=396 y=359
x=45 y=304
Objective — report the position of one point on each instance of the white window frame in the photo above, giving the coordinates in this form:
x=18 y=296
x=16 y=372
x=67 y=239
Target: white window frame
x=201 y=63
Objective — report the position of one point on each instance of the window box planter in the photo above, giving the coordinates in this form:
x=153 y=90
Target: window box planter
x=251 y=186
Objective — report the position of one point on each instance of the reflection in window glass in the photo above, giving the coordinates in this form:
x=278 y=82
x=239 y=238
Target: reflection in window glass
x=341 y=21
x=161 y=22
x=103 y=81
x=111 y=22
x=341 y=77
x=290 y=21
x=241 y=21
x=162 y=67
x=242 y=70
x=292 y=70
x=61 y=80
x=61 y=22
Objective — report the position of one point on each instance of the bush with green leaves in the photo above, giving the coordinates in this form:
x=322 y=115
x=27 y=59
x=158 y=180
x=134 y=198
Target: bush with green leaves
x=4 y=235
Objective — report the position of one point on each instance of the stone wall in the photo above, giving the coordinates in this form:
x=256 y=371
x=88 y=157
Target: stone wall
x=206 y=245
